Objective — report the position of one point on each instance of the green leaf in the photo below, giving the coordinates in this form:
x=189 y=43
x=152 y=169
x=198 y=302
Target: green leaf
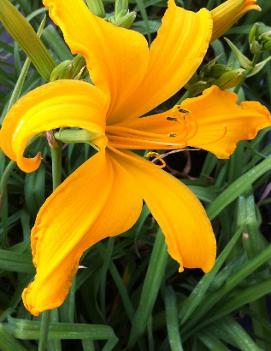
x=56 y=43
x=244 y=296
x=243 y=60
x=212 y=343
x=15 y=262
x=213 y=298
x=151 y=286
x=174 y=337
x=34 y=189
x=258 y=67
x=199 y=292
x=234 y=331
x=30 y=330
x=8 y=342
x=21 y=31
x=238 y=187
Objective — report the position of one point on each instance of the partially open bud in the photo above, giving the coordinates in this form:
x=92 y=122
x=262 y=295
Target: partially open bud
x=228 y=13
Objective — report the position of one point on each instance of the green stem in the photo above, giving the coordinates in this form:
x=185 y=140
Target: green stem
x=56 y=153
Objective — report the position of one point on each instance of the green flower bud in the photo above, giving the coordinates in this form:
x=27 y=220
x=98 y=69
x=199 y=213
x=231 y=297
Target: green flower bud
x=265 y=39
x=231 y=78
x=69 y=69
x=62 y=71
x=260 y=38
x=77 y=136
x=71 y=136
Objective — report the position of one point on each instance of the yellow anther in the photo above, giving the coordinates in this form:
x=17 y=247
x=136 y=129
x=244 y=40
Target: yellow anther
x=157 y=157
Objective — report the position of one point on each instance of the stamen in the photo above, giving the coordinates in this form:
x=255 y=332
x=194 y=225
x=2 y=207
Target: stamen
x=158 y=157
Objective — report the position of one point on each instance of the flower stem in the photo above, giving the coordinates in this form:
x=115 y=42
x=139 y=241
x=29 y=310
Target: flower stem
x=56 y=152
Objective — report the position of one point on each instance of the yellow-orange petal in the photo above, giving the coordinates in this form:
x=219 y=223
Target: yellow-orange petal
x=117 y=58
x=187 y=229
x=63 y=103
x=95 y=201
x=222 y=122
x=228 y=13
x=175 y=55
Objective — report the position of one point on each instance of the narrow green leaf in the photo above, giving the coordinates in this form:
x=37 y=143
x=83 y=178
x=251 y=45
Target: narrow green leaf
x=174 y=337
x=151 y=286
x=30 y=330
x=8 y=342
x=21 y=31
x=15 y=262
x=199 y=292
x=244 y=296
x=212 y=343
x=239 y=335
x=238 y=187
x=235 y=279
x=56 y=43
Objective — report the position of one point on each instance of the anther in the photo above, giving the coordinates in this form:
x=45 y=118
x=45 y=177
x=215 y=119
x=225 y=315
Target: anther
x=182 y=110
x=173 y=119
x=172 y=135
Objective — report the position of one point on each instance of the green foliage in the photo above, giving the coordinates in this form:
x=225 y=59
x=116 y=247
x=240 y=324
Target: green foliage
x=131 y=292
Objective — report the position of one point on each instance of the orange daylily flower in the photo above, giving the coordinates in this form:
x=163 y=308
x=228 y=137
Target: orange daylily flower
x=228 y=13
x=103 y=197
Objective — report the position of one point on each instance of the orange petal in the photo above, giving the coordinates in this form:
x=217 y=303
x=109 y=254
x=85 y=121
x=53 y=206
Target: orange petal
x=228 y=13
x=117 y=58
x=175 y=55
x=100 y=189
x=222 y=122
x=188 y=232
x=64 y=103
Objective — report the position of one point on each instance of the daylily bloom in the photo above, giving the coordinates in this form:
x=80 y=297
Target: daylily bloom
x=229 y=12
x=103 y=197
